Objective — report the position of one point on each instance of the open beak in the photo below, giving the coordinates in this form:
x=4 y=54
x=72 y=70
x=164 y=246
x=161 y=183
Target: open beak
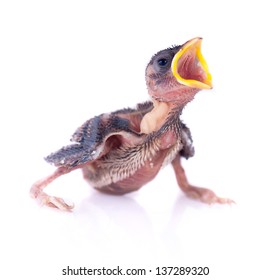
x=189 y=66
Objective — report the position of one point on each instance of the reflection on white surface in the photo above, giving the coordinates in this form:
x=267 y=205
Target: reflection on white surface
x=155 y=226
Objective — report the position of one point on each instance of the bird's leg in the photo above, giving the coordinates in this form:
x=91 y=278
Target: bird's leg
x=43 y=198
x=202 y=194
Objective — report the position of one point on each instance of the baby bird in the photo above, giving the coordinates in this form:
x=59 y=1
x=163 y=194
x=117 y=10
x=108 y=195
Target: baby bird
x=119 y=152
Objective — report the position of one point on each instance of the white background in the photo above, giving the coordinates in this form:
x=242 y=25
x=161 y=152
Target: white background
x=62 y=62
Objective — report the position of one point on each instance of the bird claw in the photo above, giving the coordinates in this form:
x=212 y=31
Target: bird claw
x=54 y=202
x=59 y=203
x=207 y=196
x=43 y=198
x=224 y=200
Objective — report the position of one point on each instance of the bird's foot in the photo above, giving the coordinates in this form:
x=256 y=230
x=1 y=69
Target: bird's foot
x=51 y=201
x=54 y=202
x=206 y=195
x=43 y=198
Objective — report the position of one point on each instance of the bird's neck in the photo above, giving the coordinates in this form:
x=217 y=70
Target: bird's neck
x=157 y=117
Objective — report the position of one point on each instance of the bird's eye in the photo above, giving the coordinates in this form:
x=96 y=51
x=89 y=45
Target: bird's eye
x=162 y=62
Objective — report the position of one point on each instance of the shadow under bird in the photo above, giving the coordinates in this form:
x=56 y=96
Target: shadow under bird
x=119 y=152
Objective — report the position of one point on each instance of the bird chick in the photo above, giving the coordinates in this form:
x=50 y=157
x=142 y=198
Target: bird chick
x=120 y=152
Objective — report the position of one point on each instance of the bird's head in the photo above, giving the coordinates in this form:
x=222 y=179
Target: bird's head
x=176 y=74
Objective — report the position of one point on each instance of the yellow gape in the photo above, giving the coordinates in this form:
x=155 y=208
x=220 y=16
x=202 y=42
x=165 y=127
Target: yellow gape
x=192 y=45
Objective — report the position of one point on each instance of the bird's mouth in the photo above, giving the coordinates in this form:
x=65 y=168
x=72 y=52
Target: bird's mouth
x=189 y=66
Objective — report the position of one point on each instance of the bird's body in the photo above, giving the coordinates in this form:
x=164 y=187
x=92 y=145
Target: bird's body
x=135 y=160
x=119 y=152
